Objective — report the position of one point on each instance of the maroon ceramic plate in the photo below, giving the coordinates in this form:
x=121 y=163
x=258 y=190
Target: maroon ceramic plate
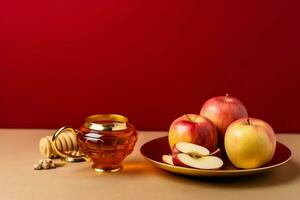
x=155 y=149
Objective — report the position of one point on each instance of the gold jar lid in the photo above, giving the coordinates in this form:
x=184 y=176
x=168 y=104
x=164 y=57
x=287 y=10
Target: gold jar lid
x=106 y=122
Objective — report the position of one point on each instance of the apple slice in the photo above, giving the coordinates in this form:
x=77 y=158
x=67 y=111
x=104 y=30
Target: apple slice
x=167 y=159
x=207 y=162
x=189 y=148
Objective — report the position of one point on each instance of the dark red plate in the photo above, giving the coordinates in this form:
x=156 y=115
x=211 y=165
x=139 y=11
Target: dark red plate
x=155 y=149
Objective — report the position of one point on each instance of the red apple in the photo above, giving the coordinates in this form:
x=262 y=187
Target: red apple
x=206 y=162
x=250 y=143
x=194 y=129
x=222 y=111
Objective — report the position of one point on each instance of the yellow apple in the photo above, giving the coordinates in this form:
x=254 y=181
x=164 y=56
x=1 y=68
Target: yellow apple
x=249 y=143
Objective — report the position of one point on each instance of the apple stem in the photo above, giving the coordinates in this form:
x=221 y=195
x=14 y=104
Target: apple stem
x=189 y=118
x=226 y=96
x=248 y=120
x=216 y=151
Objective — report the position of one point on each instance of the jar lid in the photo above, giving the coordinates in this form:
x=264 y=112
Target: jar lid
x=106 y=122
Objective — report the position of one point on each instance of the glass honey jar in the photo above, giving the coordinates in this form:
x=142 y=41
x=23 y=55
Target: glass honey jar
x=106 y=140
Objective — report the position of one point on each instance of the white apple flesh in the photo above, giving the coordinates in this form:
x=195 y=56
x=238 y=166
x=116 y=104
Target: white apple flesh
x=167 y=159
x=191 y=149
x=207 y=162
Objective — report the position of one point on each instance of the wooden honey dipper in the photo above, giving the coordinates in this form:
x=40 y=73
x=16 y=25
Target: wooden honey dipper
x=65 y=142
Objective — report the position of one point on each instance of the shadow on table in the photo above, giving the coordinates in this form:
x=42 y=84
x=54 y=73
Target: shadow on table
x=282 y=175
x=131 y=167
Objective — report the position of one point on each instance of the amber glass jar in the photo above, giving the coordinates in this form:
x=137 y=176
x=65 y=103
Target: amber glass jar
x=106 y=140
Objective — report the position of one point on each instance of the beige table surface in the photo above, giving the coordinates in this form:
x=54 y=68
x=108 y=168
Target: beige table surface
x=138 y=180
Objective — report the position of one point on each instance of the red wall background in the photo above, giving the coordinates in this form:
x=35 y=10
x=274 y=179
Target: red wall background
x=152 y=61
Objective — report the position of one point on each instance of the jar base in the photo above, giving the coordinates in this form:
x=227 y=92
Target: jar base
x=73 y=159
x=107 y=170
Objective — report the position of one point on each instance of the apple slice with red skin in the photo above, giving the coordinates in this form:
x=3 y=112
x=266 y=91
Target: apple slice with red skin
x=190 y=148
x=167 y=159
x=193 y=150
x=207 y=162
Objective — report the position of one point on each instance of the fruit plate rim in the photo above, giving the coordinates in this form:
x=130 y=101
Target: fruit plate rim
x=210 y=172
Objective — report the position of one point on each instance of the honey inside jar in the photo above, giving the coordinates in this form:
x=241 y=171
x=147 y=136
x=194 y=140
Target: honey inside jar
x=107 y=140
